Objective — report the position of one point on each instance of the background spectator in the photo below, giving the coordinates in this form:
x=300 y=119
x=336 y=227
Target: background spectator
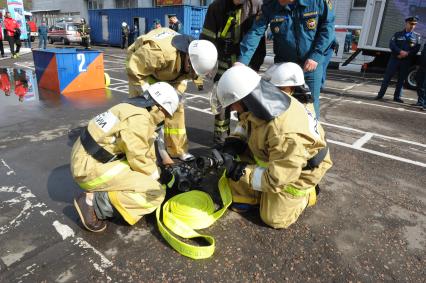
x=1 y=44
x=124 y=35
x=156 y=24
x=404 y=46
x=13 y=34
x=174 y=23
x=42 y=35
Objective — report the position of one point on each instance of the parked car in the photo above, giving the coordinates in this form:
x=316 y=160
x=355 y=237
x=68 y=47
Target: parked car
x=64 y=32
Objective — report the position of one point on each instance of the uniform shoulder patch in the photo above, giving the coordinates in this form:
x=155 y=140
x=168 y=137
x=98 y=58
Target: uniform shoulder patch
x=311 y=23
x=106 y=121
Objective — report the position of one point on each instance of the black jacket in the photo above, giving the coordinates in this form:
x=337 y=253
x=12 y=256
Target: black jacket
x=216 y=19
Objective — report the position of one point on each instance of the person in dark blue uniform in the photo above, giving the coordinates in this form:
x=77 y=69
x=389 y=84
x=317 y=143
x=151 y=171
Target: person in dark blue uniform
x=404 y=46
x=421 y=81
x=302 y=31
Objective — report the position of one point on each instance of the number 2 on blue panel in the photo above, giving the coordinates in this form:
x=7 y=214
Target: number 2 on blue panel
x=82 y=59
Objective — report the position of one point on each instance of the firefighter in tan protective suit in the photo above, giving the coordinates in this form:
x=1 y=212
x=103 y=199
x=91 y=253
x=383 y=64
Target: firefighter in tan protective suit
x=164 y=55
x=281 y=147
x=114 y=159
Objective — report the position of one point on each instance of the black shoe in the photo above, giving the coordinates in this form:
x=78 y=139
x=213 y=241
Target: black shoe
x=378 y=97
x=417 y=104
x=87 y=215
x=242 y=207
x=399 y=100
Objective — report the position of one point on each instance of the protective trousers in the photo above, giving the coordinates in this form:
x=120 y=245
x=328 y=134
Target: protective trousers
x=222 y=126
x=395 y=65
x=175 y=133
x=131 y=193
x=278 y=210
x=314 y=81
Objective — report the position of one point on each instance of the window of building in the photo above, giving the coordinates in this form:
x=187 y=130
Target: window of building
x=95 y=4
x=126 y=3
x=359 y=3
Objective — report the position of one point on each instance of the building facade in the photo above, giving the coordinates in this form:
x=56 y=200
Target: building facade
x=349 y=12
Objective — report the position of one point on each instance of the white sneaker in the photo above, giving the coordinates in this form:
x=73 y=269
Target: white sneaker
x=186 y=157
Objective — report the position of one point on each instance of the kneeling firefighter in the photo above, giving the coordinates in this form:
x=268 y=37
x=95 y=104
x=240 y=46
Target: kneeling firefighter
x=114 y=159
x=281 y=147
x=165 y=55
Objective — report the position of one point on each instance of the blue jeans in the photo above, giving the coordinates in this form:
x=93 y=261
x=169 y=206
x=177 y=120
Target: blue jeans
x=42 y=40
x=314 y=81
x=395 y=65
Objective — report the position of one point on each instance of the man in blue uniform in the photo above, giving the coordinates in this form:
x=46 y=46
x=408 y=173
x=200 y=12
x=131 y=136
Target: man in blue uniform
x=404 y=46
x=302 y=31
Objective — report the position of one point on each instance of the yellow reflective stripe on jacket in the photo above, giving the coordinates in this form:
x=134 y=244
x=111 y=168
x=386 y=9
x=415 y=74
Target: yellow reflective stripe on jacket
x=208 y=33
x=288 y=189
x=260 y=163
x=171 y=131
x=108 y=175
x=226 y=28
x=222 y=122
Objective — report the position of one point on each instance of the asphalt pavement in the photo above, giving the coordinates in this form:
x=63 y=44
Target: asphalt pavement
x=369 y=224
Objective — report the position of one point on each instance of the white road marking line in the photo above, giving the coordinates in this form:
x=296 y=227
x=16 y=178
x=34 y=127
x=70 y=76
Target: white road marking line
x=24 y=66
x=368 y=92
x=390 y=156
x=373 y=104
x=405 y=160
x=363 y=140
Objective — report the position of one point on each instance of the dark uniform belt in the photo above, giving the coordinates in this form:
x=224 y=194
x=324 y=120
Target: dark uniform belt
x=315 y=161
x=95 y=150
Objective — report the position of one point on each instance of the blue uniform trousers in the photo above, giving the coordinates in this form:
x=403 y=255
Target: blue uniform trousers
x=314 y=81
x=42 y=41
x=421 y=87
x=326 y=61
x=394 y=65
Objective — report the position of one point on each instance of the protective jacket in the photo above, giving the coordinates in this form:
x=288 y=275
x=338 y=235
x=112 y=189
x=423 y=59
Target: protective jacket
x=131 y=183
x=277 y=177
x=301 y=31
x=285 y=144
x=10 y=26
x=125 y=31
x=84 y=30
x=153 y=58
x=225 y=25
x=406 y=41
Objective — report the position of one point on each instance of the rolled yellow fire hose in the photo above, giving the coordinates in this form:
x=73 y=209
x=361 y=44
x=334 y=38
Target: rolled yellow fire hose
x=184 y=213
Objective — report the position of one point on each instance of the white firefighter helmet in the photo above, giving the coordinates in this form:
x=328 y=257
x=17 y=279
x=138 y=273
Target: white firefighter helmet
x=165 y=96
x=285 y=74
x=203 y=56
x=235 y=84
x=123 y=24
